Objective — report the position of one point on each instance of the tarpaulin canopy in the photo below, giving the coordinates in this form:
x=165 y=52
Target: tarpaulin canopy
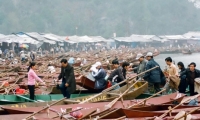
x=25 y=38
x=40 y=38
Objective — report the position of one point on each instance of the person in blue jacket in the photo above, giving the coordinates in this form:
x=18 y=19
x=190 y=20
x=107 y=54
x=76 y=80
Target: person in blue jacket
x=154 y=76
x=100 y=82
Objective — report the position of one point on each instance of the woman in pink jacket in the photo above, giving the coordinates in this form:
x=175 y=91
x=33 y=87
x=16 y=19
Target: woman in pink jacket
x=32 y=77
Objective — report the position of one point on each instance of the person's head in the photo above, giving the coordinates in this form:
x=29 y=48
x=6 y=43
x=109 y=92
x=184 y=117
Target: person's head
x=192 y=66
x=125 y=65
x=98 y=65
x=168 y=60
x=115 y=63
x=64 y=63
x=180 y=65
x=32 y=65
x=140 y=57
x=149 y=56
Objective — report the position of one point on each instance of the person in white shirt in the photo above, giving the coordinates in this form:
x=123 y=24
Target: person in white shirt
x=51 y=68
x=15 y=61
x=52 y=51
x=22 y=56
x=93 y=69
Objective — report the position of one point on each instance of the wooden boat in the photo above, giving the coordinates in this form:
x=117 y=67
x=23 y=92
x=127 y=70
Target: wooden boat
x=14 y=99
x=12 y=86
x=187 y=52
x=85 y=82
x=160 y=107
x=137 y=89
x=169 y=52
x=19 y=101
x=142 y=114
x=25 y=108
x=42 y=117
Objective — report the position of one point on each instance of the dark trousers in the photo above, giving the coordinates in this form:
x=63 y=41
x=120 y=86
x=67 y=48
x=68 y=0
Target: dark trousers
x=182 y=86
x=153 y=87
x=99 y=90
x=191 y=87
x=64 y=90
x=31 y=91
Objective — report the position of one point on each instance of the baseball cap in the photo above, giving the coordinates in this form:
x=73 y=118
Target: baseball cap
x=149 y=54
x=98 y=64
x=139 y=56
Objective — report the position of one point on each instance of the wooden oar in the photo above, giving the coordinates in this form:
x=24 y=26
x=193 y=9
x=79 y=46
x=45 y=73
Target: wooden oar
x=7 y=89
x=183 y=101
x=110 y=88
x=120 y=96
x=109 y=105
x=44 y=108
x=193 y=110
x=144 y=101
x=112 y=111
x=121 y=118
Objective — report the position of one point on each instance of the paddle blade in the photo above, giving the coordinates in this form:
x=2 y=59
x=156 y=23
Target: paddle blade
x=190 y=98
x=182 y=113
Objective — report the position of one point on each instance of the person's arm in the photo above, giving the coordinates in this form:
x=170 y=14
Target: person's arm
x=112 y=74
x=98 y=74
x=120 y=74
x=175 y=71
x=183 y=73
x=147 y=74
x=94 y=73
x=133 y=69
x=36 y=77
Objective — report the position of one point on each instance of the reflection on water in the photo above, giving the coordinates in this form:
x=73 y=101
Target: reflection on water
x=186 y=59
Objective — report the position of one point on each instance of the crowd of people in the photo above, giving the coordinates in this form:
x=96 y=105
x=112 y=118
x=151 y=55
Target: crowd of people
x=175 y=78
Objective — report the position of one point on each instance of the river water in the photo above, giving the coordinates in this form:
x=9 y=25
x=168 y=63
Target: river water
x=186 y=59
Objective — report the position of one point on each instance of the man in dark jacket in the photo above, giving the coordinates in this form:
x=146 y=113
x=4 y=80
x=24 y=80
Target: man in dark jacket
x=68 y=85
x=191 y=74
x=154 y=76
x=100 y=82
x=183 y=83
x=117 y=75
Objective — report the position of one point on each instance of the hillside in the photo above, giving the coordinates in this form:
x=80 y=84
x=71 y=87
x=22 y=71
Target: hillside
x=99 y=17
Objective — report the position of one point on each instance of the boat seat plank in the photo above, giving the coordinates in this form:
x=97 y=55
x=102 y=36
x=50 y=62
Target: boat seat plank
x=113 y=94
x=70 y=101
